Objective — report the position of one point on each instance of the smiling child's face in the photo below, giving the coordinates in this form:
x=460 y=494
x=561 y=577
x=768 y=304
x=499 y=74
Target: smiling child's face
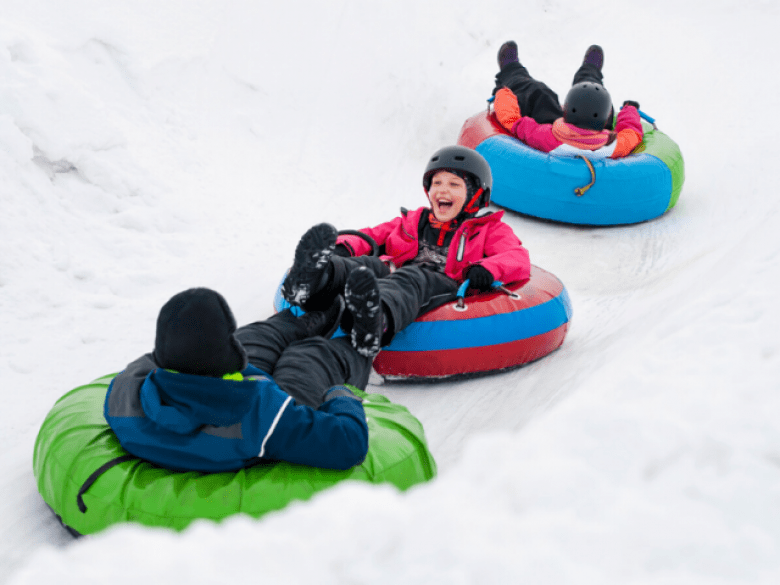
x=447 y=195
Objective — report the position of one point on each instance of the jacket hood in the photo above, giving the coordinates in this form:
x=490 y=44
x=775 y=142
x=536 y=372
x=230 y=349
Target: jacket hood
x=182 y=403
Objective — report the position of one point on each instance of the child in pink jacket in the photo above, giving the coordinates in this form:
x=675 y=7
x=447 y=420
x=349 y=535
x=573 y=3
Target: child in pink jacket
x=530 y=110
x=424 y=255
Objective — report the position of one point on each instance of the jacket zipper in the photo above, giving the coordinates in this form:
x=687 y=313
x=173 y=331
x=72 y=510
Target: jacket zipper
x=462 y=246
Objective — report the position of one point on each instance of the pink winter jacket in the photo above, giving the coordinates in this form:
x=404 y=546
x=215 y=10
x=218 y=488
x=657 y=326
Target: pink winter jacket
x=484 y=240
x=628 y=131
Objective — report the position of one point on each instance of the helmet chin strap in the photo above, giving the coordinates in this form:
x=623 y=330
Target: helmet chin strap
x=473 y=205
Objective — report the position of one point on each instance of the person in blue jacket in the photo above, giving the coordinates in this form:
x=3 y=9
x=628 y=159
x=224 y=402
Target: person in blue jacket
x=212 y=397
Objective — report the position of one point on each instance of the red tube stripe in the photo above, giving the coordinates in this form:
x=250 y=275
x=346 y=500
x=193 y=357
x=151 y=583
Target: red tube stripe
x=443 y=363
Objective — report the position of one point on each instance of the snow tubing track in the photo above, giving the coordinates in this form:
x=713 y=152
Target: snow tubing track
x=636 y=188
x=75 y=441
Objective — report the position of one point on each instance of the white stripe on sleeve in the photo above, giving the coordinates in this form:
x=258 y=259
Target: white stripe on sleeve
x=273 y=425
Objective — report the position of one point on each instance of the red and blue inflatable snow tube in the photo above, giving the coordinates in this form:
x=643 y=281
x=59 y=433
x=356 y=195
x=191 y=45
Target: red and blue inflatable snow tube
x=497 y=330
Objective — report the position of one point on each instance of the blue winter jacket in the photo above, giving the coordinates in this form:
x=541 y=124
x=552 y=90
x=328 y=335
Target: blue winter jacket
x=186 y=422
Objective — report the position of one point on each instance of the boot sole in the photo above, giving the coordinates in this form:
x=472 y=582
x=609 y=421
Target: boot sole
x=311 y=259
x=361 y=294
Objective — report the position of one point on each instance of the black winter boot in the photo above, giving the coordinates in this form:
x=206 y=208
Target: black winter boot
x=309 y=272
x=361 y=294
x=594 y=56
x=324 y=323
x=507 y=54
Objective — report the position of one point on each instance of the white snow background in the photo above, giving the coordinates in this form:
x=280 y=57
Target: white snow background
x=151 y=146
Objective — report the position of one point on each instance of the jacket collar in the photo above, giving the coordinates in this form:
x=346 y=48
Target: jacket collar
x=484 y=216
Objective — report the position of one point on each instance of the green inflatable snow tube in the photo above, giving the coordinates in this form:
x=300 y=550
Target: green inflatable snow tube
x=91 y=482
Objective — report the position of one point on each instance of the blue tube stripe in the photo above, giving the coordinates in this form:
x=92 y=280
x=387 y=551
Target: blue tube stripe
x=484 y=331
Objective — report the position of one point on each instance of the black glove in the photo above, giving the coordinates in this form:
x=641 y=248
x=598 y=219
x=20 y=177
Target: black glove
x=342 y=250
x=631 y=103
x=479 y=277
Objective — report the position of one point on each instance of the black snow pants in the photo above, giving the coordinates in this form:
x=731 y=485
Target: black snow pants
x=304 y=367
x=535 y=98
x=406 y=293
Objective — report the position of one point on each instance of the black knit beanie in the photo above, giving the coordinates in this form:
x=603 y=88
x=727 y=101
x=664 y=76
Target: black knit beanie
x=196 y=335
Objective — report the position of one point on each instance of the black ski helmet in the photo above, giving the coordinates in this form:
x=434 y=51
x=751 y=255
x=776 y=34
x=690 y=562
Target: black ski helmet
x=460 y=158
x=587 y=105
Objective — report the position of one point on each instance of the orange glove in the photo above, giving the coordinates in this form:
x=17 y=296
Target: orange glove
x=506 y=108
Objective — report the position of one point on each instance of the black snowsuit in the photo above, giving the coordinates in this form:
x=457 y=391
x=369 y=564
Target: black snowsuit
x=415 y=288
x=536 y=99
x=304 y=367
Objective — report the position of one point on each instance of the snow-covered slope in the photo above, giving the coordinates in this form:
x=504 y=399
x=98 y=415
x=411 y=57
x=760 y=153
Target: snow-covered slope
x=150 y=146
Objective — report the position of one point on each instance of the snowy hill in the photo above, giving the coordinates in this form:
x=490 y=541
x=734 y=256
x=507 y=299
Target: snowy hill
x=146 y=147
